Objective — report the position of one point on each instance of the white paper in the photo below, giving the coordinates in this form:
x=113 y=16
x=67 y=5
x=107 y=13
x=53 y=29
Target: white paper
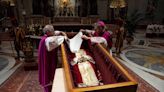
x=75 y=42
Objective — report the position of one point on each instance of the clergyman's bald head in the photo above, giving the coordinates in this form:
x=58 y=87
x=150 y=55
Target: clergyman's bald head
x=49 y=30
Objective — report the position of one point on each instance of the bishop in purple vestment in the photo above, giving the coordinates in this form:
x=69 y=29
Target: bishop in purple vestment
x=47 y=60
x=99 y=35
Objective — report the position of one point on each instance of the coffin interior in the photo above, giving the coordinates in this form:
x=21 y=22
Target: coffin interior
x=111 y=74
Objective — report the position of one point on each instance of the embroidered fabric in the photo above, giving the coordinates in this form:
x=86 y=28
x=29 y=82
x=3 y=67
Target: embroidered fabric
x=87 y=71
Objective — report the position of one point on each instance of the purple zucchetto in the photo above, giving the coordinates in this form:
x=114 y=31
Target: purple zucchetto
x=101 y=23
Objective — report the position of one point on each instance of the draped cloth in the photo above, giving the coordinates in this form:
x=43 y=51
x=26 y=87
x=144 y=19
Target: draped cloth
x=75 y=42
x=47 y=65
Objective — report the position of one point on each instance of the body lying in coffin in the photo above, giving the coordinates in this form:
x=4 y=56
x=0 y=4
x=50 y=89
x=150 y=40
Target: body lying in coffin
x=94 y=69
x=84 y=70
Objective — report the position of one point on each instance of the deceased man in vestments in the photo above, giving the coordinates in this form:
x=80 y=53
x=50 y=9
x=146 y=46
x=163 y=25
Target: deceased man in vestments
x=84 y=69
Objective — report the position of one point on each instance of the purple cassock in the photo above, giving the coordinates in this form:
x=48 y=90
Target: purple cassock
x=47 y=65
x=107 y=37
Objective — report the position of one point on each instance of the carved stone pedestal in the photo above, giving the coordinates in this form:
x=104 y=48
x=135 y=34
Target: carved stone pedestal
x=30 y=61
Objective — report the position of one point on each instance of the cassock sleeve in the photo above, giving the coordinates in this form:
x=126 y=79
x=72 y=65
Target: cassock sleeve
x=53 y=42
x=56 y=32
x=90 y=31
x=99 y=40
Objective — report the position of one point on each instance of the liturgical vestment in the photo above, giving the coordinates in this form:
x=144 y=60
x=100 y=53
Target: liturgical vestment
x=47 y=65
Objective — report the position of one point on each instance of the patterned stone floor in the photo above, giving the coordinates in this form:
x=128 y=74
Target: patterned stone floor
x=155 y=43
x=150 y=60
x=143 y=86
x=22 y=81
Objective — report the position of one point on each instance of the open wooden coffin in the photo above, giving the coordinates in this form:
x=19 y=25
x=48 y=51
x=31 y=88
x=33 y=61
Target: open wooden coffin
x=114 y=77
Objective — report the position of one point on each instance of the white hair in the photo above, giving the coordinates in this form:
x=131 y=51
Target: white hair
x=48 y=28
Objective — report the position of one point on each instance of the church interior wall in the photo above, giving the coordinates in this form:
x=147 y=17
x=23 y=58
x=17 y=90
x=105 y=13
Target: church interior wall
x=159 y=16
x=23 y=5
x=28 y=6
x=142 y=5
x=137 y=5
x=102 y=8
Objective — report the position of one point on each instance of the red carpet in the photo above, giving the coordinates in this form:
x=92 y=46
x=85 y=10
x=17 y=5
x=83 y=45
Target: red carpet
x=22 y=81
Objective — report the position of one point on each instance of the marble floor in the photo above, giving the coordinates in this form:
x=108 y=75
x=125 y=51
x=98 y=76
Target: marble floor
x=8 y=66
x=150 y=60
x=145 y=58
x=13 y=77
x=22 y=81
x=27 y=81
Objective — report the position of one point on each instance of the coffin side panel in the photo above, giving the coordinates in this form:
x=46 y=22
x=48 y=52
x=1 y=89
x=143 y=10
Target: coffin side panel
x=131 y=88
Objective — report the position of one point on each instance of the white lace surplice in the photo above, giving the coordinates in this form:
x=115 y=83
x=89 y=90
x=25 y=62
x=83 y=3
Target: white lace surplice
x=99 y=40
x=53 y=42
